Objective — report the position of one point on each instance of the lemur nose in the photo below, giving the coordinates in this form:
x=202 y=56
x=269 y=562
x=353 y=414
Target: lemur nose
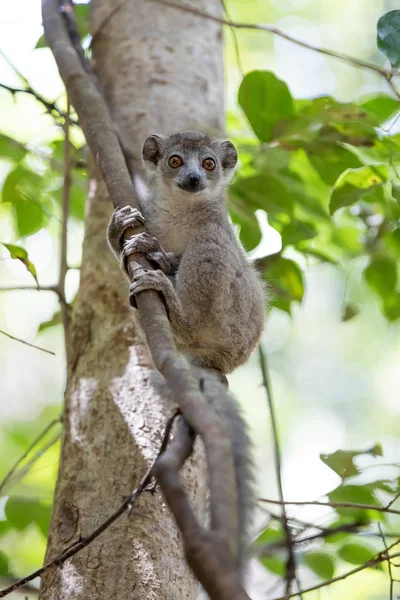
x=194 y=179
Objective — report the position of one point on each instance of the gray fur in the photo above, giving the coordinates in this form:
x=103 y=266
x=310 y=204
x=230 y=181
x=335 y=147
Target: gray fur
x=214 y=298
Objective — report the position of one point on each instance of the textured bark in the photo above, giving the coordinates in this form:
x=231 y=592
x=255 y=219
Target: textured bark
x=161 y=71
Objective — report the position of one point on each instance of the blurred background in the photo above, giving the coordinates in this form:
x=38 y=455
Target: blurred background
x=335 y=380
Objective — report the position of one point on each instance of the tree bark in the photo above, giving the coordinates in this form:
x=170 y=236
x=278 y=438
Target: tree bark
x=161 y=71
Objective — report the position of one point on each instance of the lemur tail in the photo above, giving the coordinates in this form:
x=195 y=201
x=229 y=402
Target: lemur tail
x=229 y=411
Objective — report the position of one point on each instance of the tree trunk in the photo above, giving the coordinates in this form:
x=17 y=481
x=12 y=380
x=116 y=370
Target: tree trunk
x=161 y=71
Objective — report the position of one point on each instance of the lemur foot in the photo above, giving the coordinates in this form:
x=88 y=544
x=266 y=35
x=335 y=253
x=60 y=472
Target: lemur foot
x=150 y=246
x=121 y=220
x=148 y=280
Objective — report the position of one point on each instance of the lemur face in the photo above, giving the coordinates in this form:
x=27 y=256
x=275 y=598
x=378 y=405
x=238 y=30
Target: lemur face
x=189 y=163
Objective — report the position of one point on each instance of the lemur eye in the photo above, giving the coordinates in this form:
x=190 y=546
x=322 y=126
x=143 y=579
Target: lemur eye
x=175 y=162
x=209 y=164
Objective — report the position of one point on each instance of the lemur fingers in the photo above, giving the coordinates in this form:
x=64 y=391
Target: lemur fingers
x=142 y=242
x=121 y=220
x=149 y=280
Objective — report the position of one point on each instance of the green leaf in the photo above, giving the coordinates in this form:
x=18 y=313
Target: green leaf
x=391 y=306
x=3 y=564
x=330 y=160
x=356 y=554
x=381 y=275
x=265 y=100
x=321 y=563
x=297 y=231
x=267 y=191
x=389 y=37
x=274 y=564
x=355 y=494
x=23 y=189
x=56 y=319
x=356 y=184
x=392 y=240
x=342 y=461
x=11 y=149
x=270 y=535
x=348 y=239
x=41 y=43
x=21 y=512
x=19 y=253
x=82 y=18
x=382 y=106
x=284 y=277
x=243 y=215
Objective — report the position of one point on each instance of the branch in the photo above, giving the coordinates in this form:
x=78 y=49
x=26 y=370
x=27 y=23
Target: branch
x=35 y=442
x=383 y=509
x=389 y=562
x=291 y=562
x=66 y=199
x=103 y=142
x=19 y=288
x=77 y=546
x=200 y=545
x=51 y=107
x=387 y=74
x=27 y=343
x=378 y=559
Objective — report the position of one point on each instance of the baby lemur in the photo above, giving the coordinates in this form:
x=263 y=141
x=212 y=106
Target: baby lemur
x=214 y=298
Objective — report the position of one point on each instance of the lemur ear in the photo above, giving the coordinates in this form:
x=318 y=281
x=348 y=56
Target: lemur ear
x=153 y=149
x=228 y=155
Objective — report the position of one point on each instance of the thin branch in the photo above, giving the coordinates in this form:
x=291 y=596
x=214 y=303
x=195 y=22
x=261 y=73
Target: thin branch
x=379 y=558
x=397 y=496
x=383 y=509
x=51 y=107
x=268 y=549
x=35 y=442
x=389 y=562
x=28 y=466
x=387 y=74
x=27 y=343
x=19 y=288
x=235 y=40
x=291 y=561
x=78 y=545
x=66 y=200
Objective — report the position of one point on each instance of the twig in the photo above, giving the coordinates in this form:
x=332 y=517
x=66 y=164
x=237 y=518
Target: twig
x=66 y=199
x=78 y=545
x=355 y=62
x=335 y=505
x=27 y=467
x=35 y=442
x=49 y=106
x=235 y=40
x=19 y=288
x=389 y=563
x=397 y=496
x=379 y=558
x=27 y=343
x=184 y=385
x=291 y=561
